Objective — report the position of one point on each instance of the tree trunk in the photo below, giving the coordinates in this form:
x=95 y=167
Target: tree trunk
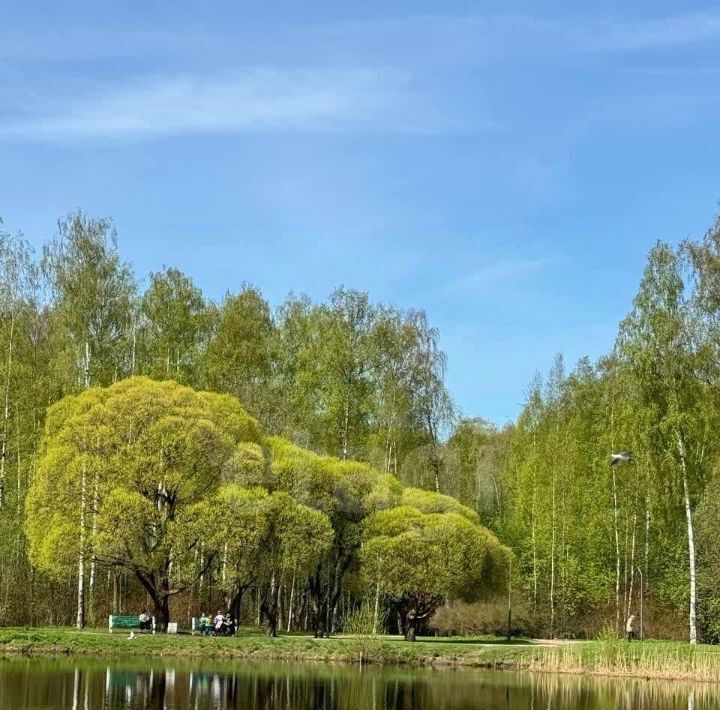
x=269 y=611
x=690 y=539
x=91 y=581
x=534 y=536
x=345 y=429
x=376 y=611
x=292 y=599
x=646 y=576
x=632 y=568
x=617 y=553
x=80 y=617
x=6 y=414
x=162 y=612
x=86 y=378
x=410 y=625
x=234 y=601
x=160 y=595
x=552 y=560
x=134 y=346
x=115 y=605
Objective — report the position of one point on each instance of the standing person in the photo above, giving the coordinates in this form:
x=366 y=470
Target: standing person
x=630 y=627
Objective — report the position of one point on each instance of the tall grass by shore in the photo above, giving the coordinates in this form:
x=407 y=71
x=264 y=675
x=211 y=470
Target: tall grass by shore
x=648 y=659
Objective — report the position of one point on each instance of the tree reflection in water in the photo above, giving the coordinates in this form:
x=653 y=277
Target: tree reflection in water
x=132 y=685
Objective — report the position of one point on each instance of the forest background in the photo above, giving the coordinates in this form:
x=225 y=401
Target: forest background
x=360 y=380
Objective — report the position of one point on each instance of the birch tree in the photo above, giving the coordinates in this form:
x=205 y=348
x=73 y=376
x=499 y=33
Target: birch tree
x=657 y=340
x=175 y=320
x=16 y=279
x=93 y=291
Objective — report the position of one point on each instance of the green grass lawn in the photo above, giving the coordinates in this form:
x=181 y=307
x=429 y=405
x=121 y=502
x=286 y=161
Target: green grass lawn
x=651 y=659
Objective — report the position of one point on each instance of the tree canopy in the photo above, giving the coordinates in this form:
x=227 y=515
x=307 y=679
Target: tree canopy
x=122 y=476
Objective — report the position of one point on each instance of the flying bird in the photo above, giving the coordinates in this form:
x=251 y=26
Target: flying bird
x=622 y=457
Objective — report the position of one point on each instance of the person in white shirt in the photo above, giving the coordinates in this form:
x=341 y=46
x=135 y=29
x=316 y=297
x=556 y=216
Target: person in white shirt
x=630 y=628
x=218 y=622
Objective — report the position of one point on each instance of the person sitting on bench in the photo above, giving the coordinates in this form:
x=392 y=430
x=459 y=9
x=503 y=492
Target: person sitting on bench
x=145 y=621
x=219 y=622
x=228 y=626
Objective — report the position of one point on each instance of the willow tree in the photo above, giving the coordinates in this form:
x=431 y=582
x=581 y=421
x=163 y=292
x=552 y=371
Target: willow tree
x=297 y=539
x=423 y=559
x=346 y=492
x=158 y=451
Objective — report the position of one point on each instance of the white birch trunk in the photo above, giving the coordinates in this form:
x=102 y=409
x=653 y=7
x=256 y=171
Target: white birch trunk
x=86 y=379
x=534 y=551
x=18 y=501
x=632 y=567
x=376 y=612
x=134 y=346
x=690 y=538
x=292 y=600
x=617 y=553
x=91 y=581
x=345 y=427
x=646 y=576
x=80 y=620
x=552 y=561
x=6 y=414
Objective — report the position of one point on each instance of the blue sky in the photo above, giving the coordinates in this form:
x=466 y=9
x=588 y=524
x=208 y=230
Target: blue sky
x=505 y=166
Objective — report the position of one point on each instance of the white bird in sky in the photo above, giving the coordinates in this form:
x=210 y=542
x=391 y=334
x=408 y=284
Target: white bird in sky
x=622 y=457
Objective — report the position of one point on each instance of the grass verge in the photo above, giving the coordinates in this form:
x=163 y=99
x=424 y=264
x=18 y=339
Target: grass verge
x=649 y=659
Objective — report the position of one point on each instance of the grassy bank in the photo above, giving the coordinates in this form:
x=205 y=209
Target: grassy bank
x=651 y=659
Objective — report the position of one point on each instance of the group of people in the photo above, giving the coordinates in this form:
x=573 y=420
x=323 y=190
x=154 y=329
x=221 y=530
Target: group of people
x=220 y=625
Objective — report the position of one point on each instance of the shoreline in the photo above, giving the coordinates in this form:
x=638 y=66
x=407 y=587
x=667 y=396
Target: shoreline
x=649 y=660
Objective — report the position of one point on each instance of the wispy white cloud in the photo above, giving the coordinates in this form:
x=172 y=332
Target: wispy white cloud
x=681 y=30
x=502 y=272
x=482 y=38
x=259 y=99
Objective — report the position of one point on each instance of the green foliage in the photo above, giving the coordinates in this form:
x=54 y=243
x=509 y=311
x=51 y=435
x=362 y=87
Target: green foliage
x=352 y=379
x=175 y=321
x=141 y=457
x=240 y=353
x=419 y=559
x=429 y=502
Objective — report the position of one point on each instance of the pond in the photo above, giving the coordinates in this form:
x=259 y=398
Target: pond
x=94 y=685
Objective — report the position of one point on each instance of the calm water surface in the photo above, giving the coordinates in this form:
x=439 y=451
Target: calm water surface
x=91 y=685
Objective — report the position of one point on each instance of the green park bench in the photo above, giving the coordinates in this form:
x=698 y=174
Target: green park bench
x=127 y=622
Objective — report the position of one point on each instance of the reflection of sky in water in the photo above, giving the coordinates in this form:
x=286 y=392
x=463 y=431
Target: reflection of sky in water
x=132 y=685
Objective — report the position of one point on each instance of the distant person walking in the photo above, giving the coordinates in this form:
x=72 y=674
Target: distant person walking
x=630 y=628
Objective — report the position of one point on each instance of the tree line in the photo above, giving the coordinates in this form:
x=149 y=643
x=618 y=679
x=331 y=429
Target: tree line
x=349 y=384
x=596 y=543
x=348 y=378
x=173 y=487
